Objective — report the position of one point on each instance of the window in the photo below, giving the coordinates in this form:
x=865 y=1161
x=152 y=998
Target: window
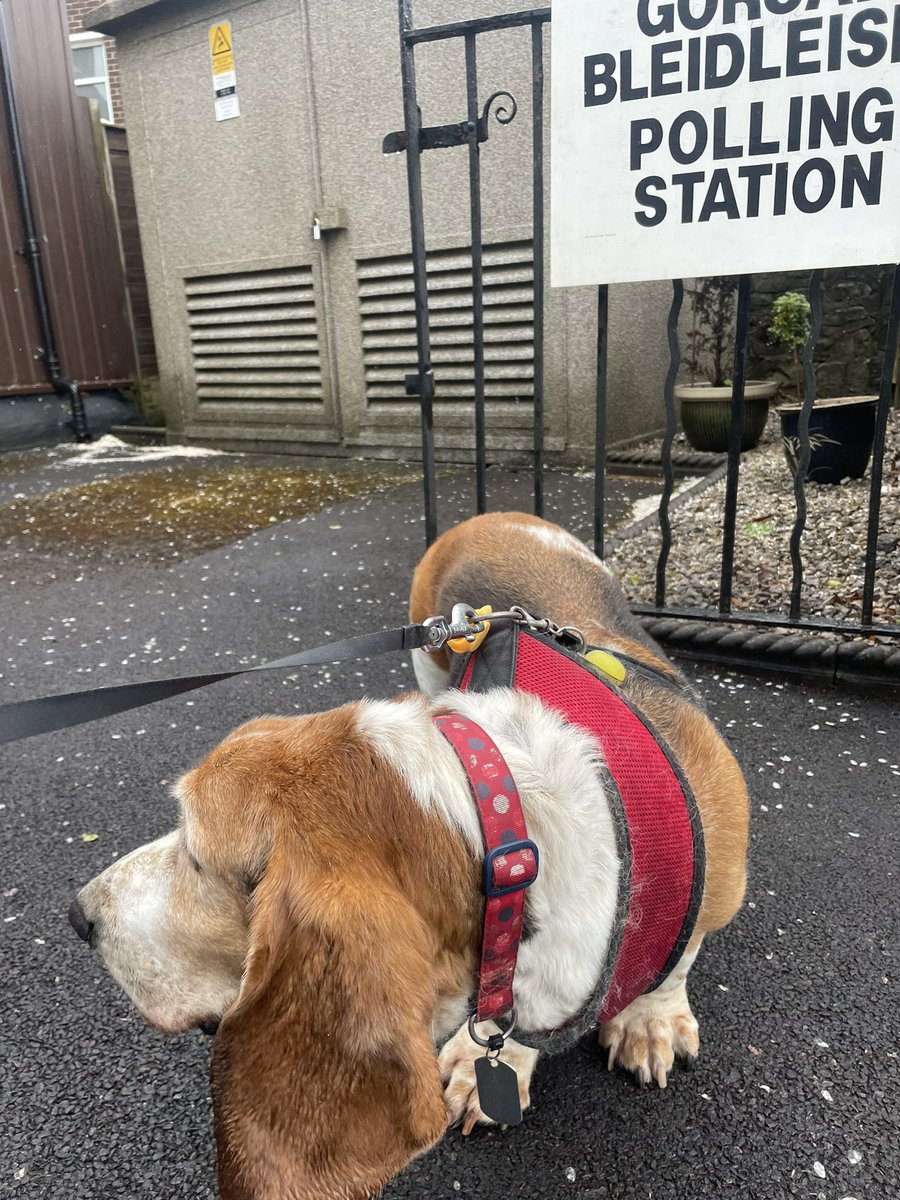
x=91 y=72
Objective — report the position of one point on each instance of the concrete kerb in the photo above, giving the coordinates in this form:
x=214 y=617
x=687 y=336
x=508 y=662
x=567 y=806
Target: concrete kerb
x=683 y=463
x=651 y=519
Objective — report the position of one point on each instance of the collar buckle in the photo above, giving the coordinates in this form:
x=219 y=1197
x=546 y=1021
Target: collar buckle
x=501 y=877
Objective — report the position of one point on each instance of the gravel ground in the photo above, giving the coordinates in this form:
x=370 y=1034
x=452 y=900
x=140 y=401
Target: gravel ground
x=833 y=546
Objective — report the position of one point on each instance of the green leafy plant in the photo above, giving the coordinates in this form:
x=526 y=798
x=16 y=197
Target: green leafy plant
x=759 y=529
x=712 y=318
x=790 y=326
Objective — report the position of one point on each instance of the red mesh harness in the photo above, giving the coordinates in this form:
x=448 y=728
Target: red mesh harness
x=661 y=839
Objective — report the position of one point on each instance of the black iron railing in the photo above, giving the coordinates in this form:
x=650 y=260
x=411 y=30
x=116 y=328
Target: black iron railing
x=415 y=144
x=725 y=610
x=474 y=132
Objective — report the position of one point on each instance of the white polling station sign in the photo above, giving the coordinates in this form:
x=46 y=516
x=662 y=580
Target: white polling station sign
x=713 y=137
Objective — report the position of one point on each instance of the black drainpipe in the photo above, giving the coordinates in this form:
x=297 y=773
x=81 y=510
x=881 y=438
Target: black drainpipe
x=32 y=251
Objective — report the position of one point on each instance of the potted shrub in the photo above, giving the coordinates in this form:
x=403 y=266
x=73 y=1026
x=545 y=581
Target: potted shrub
x=841 y=429
x=706 y=401
x=790 y=327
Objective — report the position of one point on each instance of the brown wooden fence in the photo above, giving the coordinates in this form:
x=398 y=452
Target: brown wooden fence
x=75 y=220
x=117 y=143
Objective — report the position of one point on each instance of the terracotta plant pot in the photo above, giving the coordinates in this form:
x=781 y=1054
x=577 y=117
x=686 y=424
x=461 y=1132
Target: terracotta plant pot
x=706 y=413
x=841 y=433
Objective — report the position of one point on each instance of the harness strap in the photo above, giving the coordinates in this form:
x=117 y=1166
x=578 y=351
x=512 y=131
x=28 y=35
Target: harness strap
x=510 y=862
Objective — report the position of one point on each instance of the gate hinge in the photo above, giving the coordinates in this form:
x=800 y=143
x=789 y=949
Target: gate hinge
x=439 y=137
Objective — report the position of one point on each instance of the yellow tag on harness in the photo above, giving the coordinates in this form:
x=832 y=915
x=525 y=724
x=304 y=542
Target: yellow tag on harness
x=607 y=663
x=464 y=645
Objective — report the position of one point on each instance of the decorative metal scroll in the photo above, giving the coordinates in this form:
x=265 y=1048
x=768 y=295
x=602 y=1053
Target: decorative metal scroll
x=440 y=137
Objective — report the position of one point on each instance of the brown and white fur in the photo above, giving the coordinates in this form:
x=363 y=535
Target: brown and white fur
x=321 y=898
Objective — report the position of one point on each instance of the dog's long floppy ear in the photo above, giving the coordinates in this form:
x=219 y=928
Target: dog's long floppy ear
x=325 y=1081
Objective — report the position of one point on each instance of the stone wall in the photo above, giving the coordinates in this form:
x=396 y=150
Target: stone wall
x=850 y=352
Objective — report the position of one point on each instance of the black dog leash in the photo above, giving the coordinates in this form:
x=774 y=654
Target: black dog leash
x=463 y=631
x=25 y=718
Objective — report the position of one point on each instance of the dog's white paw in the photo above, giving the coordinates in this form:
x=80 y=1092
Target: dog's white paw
x=457 y=1063
x=650 y=1033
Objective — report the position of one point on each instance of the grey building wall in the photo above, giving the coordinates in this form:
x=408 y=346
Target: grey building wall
x=267 y=338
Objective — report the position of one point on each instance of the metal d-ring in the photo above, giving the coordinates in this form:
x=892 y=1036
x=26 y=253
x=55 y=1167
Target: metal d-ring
x=490 y=1042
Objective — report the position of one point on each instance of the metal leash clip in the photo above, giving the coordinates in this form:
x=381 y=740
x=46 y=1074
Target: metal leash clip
x=465 y=625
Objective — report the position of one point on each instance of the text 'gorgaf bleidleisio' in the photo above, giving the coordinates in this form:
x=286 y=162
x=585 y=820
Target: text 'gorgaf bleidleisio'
x=747 y=170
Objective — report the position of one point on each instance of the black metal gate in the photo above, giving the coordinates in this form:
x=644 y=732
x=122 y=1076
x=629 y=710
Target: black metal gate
x=416 y=139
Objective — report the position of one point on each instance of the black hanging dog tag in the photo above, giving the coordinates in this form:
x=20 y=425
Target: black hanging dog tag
x=498 y=1091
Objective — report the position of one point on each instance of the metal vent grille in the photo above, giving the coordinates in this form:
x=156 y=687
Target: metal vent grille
x=389 y=324
x=254 y=336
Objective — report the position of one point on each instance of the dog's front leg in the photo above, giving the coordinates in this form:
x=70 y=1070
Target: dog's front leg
x=647 y=1036
x=457 y=1063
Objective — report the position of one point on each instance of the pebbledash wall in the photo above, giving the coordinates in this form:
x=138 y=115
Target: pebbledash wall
x=269 y=339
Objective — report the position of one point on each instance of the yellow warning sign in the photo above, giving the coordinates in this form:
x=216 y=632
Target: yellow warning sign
x=220 y=48
x=224 y=77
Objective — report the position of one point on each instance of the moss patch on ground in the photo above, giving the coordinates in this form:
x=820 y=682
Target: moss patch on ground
x=178 y=510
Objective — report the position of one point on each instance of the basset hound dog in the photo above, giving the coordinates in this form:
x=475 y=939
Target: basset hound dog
x=320 y=904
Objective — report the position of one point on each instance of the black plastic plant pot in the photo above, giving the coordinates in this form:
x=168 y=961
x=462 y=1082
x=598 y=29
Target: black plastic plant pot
x=841 y=433
x=706 y=414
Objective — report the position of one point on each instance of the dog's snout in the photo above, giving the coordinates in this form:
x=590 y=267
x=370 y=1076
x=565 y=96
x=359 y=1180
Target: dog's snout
x=79 y=922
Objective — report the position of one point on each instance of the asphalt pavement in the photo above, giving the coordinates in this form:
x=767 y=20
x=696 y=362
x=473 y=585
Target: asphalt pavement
x=795 y=1093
